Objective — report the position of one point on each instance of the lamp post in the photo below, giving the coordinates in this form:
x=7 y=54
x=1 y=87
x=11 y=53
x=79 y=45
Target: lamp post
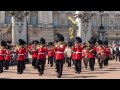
x=101 y=31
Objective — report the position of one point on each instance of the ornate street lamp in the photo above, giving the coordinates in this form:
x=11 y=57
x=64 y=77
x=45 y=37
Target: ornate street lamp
x=101 y=31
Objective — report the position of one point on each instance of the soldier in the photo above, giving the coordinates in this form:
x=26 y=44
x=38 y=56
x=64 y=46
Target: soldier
x=41 y=58
x=68 y=53
x=100 y=54
x=59 y=54
x=51 y=53
x=7 y=57
x=2 y=55
x=34 y=53
x=77 y=50
x=91 y=55
x=21 y=56
x=107 y=53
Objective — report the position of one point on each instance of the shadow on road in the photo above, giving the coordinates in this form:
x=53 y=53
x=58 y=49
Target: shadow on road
x=78 y=77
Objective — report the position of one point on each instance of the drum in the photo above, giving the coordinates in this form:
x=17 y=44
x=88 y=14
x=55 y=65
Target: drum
x=102 y=57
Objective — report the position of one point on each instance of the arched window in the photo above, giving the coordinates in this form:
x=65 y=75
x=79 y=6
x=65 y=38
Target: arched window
x=106 y=20
x=94 y=21
x=7 y=18
x=56 y=19
x=34 y=18
x=117 y=21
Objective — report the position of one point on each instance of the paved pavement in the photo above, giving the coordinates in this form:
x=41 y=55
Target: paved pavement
x=110 y=72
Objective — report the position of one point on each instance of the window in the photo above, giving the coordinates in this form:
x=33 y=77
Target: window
x=117 y=21
x=106 y=20
x=56 y=19
x=7 y=18
x=34 y=18
x=94 y=21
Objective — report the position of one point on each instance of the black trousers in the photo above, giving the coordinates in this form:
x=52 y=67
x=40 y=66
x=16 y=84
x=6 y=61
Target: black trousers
x=7 y=64
x=34 y=62
x=1 y=66
x=106 y=61
x=77 y=65
x=20 y=66
x=50 y=59
x=59 y=66
x=69 y=61
x=100 y=63
x=117 y=56
x=41 y=65
x=92 y=63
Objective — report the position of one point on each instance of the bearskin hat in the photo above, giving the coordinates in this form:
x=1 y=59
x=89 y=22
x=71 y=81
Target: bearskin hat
x=69 y=44
x=21 y=42
x=42 y=41
x=8 y=47
x=59 y=37
x=100 y=42
x=92 y=40
x=50 y=43
x=3 y=43
x=105 y=42
x=78 y=39
x=35 y=42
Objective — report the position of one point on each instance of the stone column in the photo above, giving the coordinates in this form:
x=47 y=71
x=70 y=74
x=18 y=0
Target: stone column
x=19 y=25
x=2 y=17
x=84 y=25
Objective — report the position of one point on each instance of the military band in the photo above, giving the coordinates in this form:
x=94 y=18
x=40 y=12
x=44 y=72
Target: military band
x=56 y=53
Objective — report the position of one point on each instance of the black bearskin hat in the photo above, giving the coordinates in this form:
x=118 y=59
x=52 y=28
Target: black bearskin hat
x=92 y=40
x=100 y=42
x=21 y=42
x=78 y=39
x=50 y=43
x=69 y=44
x=105 y=42
x=3 y=43
x=35 y=42
x=59 y=37
x=42 y=41
x=8 y=47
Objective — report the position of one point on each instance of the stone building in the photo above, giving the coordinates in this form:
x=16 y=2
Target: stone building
x=46 y=23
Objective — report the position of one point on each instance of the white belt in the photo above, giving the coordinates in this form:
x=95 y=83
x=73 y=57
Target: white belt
x=2 y=54
x=59 y=52
x=8 y=55
x=41 y=53
x=21 y=54
x=77 y=52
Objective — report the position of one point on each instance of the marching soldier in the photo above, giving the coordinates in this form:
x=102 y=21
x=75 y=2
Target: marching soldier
x=77 y=50
x=51 y=53
x=91 y=55
x=107 y=53
x=100 y=53
x=41 y=58
x=2 y=55
x=21 y=56
x=34 y=53
x=59 y=54
x=7 y=57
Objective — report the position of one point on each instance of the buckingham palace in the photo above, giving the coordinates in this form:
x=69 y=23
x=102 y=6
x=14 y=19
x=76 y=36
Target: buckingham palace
x=47 y=23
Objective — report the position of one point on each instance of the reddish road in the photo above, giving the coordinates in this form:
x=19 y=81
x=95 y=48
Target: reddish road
x=110 y=72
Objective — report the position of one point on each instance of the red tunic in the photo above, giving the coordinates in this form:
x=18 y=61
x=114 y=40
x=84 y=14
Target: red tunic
x=91 y=53
x=42 y=53
x=107 y=51
x=77 y=52
x=8 y=55
x=34 y=53
x=2 y=54
x=85 y=54
x=59 y=52
x=21 y=54
x=51 y=51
